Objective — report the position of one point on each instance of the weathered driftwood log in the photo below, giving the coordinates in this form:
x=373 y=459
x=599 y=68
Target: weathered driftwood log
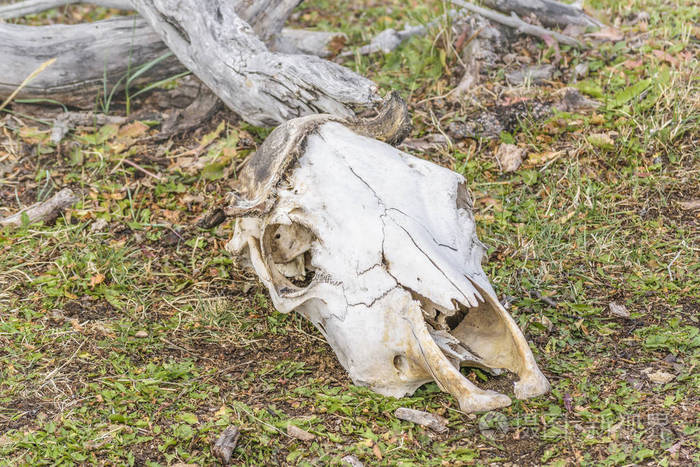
x=265 y=16
x=46 y=211
x=549 y=12
x=265 y=88
x=94 y=57
x=378 y=249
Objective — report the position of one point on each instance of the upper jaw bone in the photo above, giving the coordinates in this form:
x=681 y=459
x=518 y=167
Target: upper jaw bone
x=427 y=353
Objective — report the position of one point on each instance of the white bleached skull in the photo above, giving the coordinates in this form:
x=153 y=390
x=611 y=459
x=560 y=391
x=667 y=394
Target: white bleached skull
x=378 y=249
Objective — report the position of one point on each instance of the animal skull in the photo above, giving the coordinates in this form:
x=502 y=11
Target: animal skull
x=378 y=249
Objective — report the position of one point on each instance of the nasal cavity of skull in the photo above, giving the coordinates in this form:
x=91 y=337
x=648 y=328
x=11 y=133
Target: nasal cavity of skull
x=438 y=317
x=458 y=316
x=288 y=251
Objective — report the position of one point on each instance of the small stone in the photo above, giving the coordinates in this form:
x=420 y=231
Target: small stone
x=573 y=101
x=660 y=377
x=99 y=225
x=141 y=334
x=581 y=70
x=352 y=461
x=544 y=321
x=510 y=156
x=225 y=444
x=618 y=310
x=296 y=432
x=57 y=316
x=601 y=140
x=530 y=74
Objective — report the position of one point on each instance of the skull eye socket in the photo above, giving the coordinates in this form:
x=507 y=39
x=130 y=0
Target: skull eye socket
x=287 y=252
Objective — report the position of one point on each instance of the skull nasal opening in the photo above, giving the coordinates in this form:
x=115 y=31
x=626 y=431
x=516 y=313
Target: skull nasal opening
x=287 y=250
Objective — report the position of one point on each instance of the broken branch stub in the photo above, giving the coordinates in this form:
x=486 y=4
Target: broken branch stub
x=225 y=444
x=378 y=249
x=435 y=422
x=263 y=87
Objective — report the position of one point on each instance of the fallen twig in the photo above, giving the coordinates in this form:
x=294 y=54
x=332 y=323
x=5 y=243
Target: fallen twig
x=69 y=120
x=146 y=171
x=432 y=421
x=389 y=39
x=515 y=22
x=46 y=211
x=546 y=300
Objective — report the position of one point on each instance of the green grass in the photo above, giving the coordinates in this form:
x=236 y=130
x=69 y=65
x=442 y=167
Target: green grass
x=592 y=218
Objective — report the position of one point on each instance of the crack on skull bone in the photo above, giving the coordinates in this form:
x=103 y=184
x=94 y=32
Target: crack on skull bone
x=374 y=300
x=424 y=228
x=474 y=298
x=386 y=209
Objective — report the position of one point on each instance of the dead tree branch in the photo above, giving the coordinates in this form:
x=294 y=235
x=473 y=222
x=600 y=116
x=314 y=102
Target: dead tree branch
x=515 y=22
x=549 y=12
x=90 y=58
x=318 y=43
